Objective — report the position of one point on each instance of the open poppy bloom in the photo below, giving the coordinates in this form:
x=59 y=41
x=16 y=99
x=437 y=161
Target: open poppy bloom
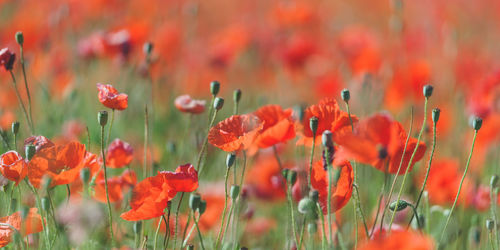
x=29 y=225
x=266 y=180
x=184 y=103
x=13 y=166
x=61 y=163
x=150 y=196
x=117 y=186
x=330 y=117
x=341 y=192
x=278 y=126
x=110 y=97
x=7 y=58
x=119 y=154
x=400 y=239
x=377 y=139
x=235 y=133
x=40 y=142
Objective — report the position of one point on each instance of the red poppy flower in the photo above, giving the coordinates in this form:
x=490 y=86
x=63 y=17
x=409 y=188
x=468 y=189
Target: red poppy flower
x=378 y=139
x=444 y=179
x=110 y=97
x=7 y=58
x=119 y=154
x=13 y=166
x=30 y=225
x=407 y=240
x=278 y=126
x=330 y=117
x=235 y=133
x=341 y=193
x=265 y=179
x=40 y=142
x=151 y=195
x=61 y=163
x=184 y=103
x=117 y=186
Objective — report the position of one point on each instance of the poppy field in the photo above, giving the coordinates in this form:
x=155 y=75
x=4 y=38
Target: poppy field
x=297 y=124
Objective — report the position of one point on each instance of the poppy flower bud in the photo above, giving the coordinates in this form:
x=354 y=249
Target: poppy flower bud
x=24 y=211
x=306 y=206
x=20 y=38
x=218 y=103
x=234 y=192
x=13 y=204
x=194 y=201
x=476 y=122
x=490 y=224
x=428 y=90
x=493 y=181
x=237 y=95
x=29 y=151
x=230 y=160
x=346 y=95
x=313 y=124
x=147 y=48
x=137 y=227
x=214 y=88
x=326 y=138
x=15 y=127
x=102 y=118
x=85 y=175
x=435 y=115
x=291 y=177
x=202 y=207
x=314 y=195
x=190 y=247
x=398 y=206
x=312 y=228
x=45 y=204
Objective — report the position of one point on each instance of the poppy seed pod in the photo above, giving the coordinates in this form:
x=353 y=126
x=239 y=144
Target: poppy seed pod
x=237 y=95
x=493 y=181
x=218 y=103
x=15 y=127
x=29 y=151
x=314 y=195
x=234 y=192
x=20 y=38
x=312 y=228
x=428 y=90
x=326 y=138
x=346 y=95
x=102 y=118
x=476 y=123
x=85 y=175
x=306 y=206
x=291 y=177
x=45 y=204
x=435 y=115
x=194 y=201
x=137 y=227
x=313 y=124
x=202 y=207
x=147 y=48
x=398 y=206
x=490 y=224
x=214 y=88
x=230 y=160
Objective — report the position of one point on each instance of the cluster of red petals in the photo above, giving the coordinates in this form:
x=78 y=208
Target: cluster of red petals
x=330 y=117
x=150 y=196
x=110 y=97
x=341 y=192
x=29 y=225
x=40 y=142
x=61 y=163
x=185 y=103
x=377 y=139
x=7 y=58
x=117 y=186
x=13 y=166
x=400 y=239
x=235 y=133
x=278 y=126
x=119 y=154
x=443 y=181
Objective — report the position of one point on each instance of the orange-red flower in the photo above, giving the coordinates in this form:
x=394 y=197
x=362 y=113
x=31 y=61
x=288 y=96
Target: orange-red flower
x=13 y=166
x=278 y=125
x=341 y=192
x=184 y=103
x=7 y=58
x=40 y=142
x=235 y=133
x=29 y=225
x=117 y=186
x=377 y=139
x=61 y=163
x=330 y=117
x=444 y=179
x=119 y=154
x=407 y=240
x=110 y=97
x=265 y=179
x=151 y=195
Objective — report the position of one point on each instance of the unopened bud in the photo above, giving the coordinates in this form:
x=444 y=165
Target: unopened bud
x=20 y=38
x=306 y=206
x=194 y=201
x=237 y=95
x=313 y=124
x=102 y=118
x=346 y=95
x=476 y=123
x=314 y=195
x=428 y=91
x=230 y=160
x=435 y=115
x=29 y=151
x=398 y=206
x=218 y=103
x=493 y=181
x=490 y=224
x=137 y=227
x=291 y=177
x=15 y=127
x=234 y=192
x=203 y=207
x=214 y=88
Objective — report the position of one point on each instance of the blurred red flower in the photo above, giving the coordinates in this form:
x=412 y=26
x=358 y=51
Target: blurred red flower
x=119 y=154
x=13 y=166
x=7 y=58
x=444 y=179
x=407 y=240
x=40 y=142
x=184 y=103
x=278 y=126
x=235 y=133
x=117 y=186
x=29 y=225
x=110 y=97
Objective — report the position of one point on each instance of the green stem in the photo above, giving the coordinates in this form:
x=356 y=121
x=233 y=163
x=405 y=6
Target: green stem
x=328 y=204
x=177 y=219
x=493 y=207
x=311 y=162
x=224 y=211
x=323 y=239
x=276 y=155
x=301 y=237
x=110 y=126
x=205 y=142
x=156 y=234
x=21 y=103
x=361 y=211
x=146 y=141
x=27 y=89
x=110 y=214
x=292 y=216
x=199 y=232
x=228 y=219
x=459 y=187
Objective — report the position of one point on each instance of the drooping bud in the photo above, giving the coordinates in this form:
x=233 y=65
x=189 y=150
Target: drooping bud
x=234 y=192
x=85 y=175
x=147 y=48
x=326 y=138
x=490 y=224
x=398 y=206
x=313 y=124
x=218 y=103
x=29 y=151
x=435 y=115
x=194 y=201
x=476 y=123
x=346 y=95
x=102 y=118
x=291 y=177
x=306 y=206
x=428 y=90
x=314 y=195
x=230 y=160
x=237 y=95
x=214 y=88
x=20 y=38
x=15 y=127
